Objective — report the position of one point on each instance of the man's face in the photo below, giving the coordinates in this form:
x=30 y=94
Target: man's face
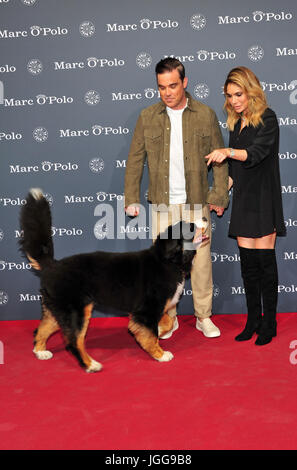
x=172 y=89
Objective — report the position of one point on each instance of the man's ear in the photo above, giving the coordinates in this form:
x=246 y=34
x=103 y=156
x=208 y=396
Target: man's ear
x=185 y=82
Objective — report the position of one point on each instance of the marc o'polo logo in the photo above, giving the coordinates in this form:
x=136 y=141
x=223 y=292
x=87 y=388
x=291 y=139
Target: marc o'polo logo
x=3 y=298
x=144 y=24
x=45 y=166
x=87 y=29
x=288 y=156
x=68 y=232
x=255 y=53
x=100 y=231
x=224 y=257
x=49 y=198
x=289 y=189
x=148 y=93
x=275 y=87
x=198 y=21
x=34 y=66
x=40 y=134
x=96 y=165
x=96 y=130
x=91 y=62
x=92 y=97
x=18 y=201
x=292 y=289
x=30 y=297
x=7 y=68
x=101 y=196
x=286 y=51
x=10 y=136
x=40 y=100
x=35 y=32
x=290 y=256
x=257 y=17
x=201 y=91
x=281 y=87
x=13 y=266
x=144 y=60
x=204 y=55
x=216 y=290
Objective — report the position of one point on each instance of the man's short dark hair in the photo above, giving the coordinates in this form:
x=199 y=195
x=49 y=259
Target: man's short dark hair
x=169 y=64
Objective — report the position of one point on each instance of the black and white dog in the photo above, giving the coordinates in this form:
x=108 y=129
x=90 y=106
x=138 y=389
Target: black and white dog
x=145 y=284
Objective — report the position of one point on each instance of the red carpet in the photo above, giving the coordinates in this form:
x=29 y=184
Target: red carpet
x=215 y=394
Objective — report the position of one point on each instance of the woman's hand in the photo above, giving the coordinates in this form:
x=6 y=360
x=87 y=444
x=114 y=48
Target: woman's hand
x=217 y=156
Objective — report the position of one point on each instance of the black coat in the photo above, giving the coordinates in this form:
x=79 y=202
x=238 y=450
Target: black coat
x=257 y=202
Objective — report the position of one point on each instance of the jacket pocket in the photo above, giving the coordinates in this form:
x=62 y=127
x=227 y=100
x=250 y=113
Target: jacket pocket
x=202 y=142
x=153 y=139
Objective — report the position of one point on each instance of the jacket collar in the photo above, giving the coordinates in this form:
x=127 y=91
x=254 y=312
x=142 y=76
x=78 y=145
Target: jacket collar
x=190 y=104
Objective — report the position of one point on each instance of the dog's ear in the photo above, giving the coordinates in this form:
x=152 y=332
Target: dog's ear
x=169 y=250
x=169 y=244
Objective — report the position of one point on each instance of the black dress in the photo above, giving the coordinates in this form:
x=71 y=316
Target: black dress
x=257 y=202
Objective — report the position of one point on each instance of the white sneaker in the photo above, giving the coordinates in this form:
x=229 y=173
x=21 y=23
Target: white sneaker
x=169 y=334
x=208 y=328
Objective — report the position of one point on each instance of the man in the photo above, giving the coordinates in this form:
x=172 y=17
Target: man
x=175 y=135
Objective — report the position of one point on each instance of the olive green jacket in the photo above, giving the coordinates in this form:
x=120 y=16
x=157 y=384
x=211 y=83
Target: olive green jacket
x=151 y=140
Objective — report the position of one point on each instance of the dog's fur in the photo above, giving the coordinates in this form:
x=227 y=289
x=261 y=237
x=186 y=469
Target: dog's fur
x=145 y=284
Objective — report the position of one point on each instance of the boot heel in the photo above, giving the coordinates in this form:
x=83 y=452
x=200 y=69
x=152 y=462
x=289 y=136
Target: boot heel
x=265 y=337
x=248 y=332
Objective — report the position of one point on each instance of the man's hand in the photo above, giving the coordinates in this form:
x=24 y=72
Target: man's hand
x=132 y=211
x=217 y=209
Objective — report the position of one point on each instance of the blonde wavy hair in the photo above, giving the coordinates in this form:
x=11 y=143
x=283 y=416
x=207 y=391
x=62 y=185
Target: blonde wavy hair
x=247 y=80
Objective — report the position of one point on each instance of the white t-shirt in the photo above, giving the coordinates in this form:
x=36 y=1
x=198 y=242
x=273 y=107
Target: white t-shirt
x=177 y=183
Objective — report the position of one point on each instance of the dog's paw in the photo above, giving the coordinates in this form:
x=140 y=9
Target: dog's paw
x=167 y=356
x=43 y=355
x=94 y=366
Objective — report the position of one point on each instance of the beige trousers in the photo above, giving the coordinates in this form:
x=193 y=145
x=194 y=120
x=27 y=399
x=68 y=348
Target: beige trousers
x=201 y=275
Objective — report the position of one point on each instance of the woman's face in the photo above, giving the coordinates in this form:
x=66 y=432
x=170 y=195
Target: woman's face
x=237 y=98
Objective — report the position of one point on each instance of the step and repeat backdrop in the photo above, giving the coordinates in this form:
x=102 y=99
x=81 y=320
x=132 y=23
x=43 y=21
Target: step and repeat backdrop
x=74 y=76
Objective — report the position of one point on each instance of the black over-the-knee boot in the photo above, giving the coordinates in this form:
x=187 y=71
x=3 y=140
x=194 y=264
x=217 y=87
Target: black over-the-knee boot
x=251 y=275
x=269 y=289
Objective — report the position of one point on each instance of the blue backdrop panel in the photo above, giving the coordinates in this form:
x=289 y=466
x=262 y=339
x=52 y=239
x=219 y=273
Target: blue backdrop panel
x=74 y=76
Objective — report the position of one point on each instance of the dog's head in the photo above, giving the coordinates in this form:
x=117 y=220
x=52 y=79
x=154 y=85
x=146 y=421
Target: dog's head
x=178 y=244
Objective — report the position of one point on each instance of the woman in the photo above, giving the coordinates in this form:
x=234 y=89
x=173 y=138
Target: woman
x=257 y=213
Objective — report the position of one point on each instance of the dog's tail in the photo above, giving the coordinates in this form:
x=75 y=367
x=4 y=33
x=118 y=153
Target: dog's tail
x=36 y=223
